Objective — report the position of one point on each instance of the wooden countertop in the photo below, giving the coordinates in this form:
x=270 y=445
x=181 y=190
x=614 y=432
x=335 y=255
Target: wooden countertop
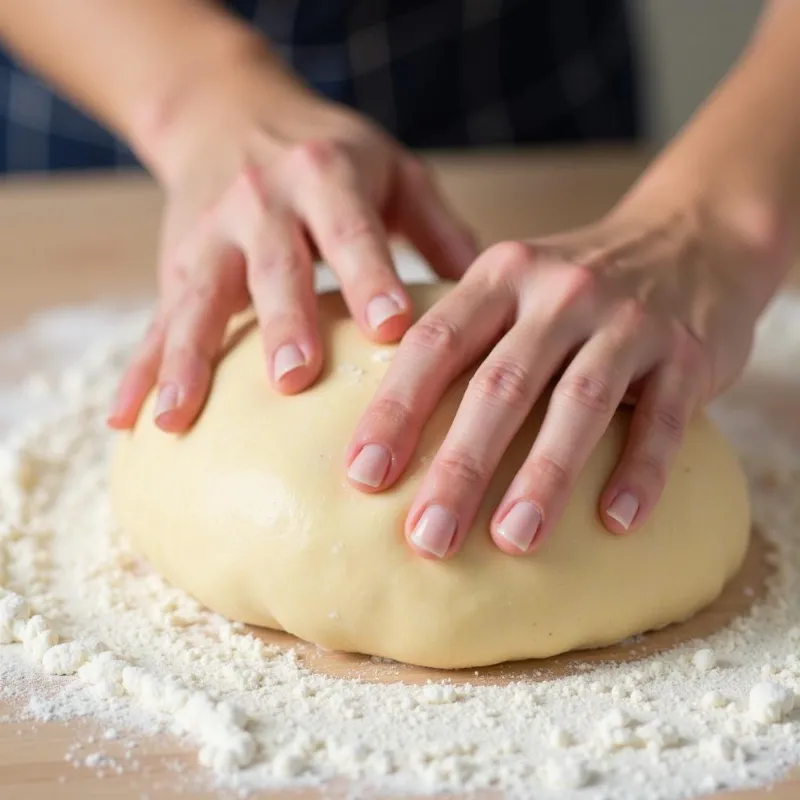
x=75 y=240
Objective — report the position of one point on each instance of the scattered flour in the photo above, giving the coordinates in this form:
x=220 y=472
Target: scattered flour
x=713 y=699
x=64 y=659
x=770 y=702
x=559 y=737
x=123 y=647
x=705 y=659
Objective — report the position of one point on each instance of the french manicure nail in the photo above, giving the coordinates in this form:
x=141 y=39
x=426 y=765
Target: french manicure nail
x=370 y=465
x=624 y=509
x=169 y=397
x=380 y=309
x=520 y=525
x=287 y=359
x=435 y=531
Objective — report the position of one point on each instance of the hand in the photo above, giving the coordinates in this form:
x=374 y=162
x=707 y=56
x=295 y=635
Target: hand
x=260 y=175
x=648 y=303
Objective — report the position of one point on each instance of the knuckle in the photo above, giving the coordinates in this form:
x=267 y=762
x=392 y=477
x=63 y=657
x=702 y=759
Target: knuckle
x=154 y=335
x=145 y=359
x=315 y=155
x=417 y=173
x=184 y=356
x=687 y=349
x=193 y=297
x=648 y=469
x=460 y=466
x=598 y=260
x=574 y=291
x=392 y=413
x=286 y=264
x=631 y=315
x=174 y=267
x=198 y=297
x=250 y=185
x=204 y=293
x=592 y=393
x=510 y=256
x=692 y=362
x=345 y=230
x=580 y=282
x=549 y=471
x=505 y=382
x=283 y=326
x=436 y=334
x=668 y=421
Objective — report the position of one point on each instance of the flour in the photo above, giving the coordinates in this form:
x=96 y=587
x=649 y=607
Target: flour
x=63 y=659
x=705 y=659
x=560 y=737
x=142 y=658
x=713 y=699
x=770 y=702
x=566 y=774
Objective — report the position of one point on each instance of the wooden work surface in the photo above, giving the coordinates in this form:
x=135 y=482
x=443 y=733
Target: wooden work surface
x=70 y=241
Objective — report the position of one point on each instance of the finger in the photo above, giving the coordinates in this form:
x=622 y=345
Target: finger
x=659 y=421
x=139 y=378
x=498 y=399
x=432 y=354
x=280 y=276
x=194 y=335
x=424 y=217
x=580 y=408
x=346 y=228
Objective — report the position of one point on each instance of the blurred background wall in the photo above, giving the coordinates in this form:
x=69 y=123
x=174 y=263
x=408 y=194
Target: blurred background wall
x=687 y=47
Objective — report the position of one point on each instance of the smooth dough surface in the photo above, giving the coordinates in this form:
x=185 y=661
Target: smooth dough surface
x=251 y=514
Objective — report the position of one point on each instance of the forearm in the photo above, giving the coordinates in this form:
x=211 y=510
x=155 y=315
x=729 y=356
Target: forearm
x=741 y=151
x=129 y=63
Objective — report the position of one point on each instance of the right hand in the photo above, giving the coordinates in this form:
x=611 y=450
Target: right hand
x=260 y=176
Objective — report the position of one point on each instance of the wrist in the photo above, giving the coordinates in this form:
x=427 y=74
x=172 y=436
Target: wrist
x=202 y=95
x=751 y=228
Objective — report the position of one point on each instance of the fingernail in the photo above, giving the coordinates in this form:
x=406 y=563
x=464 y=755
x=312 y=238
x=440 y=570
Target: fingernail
x=370 y=465
x=380 y=309
x=520 y=525
x=168 y=399
x=435 y=531
x=287 y=359
x=624 y=509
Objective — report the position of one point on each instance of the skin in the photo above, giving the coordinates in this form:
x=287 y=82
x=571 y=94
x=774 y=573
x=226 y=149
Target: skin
x=259 y=174
x=655 y=304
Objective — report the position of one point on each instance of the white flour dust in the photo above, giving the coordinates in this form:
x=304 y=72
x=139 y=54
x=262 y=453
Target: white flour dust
x=88 y=631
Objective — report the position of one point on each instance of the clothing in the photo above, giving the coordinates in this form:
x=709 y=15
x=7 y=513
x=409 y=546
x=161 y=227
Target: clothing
x=434 y=73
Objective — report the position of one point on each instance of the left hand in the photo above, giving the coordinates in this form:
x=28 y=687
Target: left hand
x=657 y=304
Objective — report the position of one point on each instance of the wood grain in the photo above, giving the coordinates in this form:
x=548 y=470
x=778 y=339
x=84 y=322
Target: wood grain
x=75 y=240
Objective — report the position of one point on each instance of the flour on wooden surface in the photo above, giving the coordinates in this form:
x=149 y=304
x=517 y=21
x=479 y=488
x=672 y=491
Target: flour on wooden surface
x=123 y=647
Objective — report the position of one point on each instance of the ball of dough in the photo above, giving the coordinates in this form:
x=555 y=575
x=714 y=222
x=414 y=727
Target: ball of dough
x=251 y=513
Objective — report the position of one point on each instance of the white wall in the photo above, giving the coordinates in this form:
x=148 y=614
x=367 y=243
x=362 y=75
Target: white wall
x=687 y=47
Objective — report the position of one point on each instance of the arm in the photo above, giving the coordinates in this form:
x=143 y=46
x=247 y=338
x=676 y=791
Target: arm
x=255 y=168
x=656 y=304
x=741 y=152
x=133 y=64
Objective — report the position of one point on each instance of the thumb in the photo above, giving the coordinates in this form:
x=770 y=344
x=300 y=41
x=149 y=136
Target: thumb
x=425 y=218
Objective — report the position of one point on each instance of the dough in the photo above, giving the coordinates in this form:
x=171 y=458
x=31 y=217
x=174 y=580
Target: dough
x=250 y=512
